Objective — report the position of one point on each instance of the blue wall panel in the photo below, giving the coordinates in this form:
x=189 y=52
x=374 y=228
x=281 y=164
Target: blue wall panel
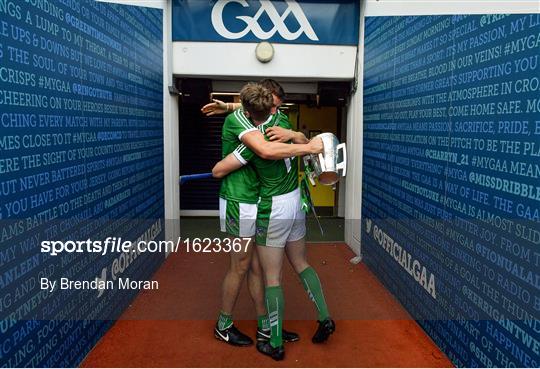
x=451 y=188
x=81 y=157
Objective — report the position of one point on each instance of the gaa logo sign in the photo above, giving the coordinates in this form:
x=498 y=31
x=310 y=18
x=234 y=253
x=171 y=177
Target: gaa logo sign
x=252 y=25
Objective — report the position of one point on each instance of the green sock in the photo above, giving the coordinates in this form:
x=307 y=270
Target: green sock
x=275 y=304
x=224 y=321
x=263 y=322
x=312 y=285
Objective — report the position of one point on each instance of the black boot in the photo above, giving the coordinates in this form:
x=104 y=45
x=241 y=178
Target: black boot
x=264 y=335
x=325 y=329
x=232 y=336
x=276 y=353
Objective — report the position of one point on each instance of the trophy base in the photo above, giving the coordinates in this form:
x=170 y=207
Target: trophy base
x=328 y=178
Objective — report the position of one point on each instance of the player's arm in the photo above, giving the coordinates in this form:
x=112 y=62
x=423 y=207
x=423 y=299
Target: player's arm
x=228 y=164
x=240 y=126
x=280 y=134
x=219 y=107
x=235 y=160
x=276 y=150
x=299 y=137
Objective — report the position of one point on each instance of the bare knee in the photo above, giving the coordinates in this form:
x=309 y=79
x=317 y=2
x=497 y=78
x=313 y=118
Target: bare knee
x=255 y=269
x=271 y=259
x=298 y=262
x=241 y=264
x=296 y=253
x=300 y=265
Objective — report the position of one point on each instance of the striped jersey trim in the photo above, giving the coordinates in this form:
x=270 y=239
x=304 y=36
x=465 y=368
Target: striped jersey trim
x=246 y=131
x=272 y=119
x=240 y=148
x=239 y=157
x=239 y=115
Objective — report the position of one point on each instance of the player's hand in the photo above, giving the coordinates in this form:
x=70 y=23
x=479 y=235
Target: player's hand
x=279 y=134
x=316 y=145
x=215 y=107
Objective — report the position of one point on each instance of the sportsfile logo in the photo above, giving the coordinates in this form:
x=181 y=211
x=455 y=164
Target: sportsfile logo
x=252 y=24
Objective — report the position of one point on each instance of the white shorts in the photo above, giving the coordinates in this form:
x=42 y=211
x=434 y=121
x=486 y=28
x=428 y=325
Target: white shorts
x=237 y=218
x=280 y=220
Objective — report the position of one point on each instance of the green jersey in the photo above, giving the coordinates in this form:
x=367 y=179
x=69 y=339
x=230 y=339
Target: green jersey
x=277 y=177
x=242 y=185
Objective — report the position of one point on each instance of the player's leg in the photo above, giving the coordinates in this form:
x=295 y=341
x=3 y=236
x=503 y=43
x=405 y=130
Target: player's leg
x=271 y=259
x=255 y=281
x=256 y=284
x=239 y=265
x=256 y=287
x=271 y=237
x=296 y=253
x=225 y=329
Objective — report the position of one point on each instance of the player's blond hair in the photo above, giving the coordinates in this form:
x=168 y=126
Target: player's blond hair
x=257 y=101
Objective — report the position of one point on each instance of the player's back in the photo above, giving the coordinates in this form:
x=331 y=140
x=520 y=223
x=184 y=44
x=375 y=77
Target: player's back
x=241 y=185
x=277 y=177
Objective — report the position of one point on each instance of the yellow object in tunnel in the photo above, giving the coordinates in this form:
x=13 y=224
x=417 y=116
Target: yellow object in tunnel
x=321 y=195
x=311 y=120
x=319 y=119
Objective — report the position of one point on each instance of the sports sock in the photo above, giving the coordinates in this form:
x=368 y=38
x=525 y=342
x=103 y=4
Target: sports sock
x=224 y=321
x=313 y=287
x=263 y=322
x=275 y=304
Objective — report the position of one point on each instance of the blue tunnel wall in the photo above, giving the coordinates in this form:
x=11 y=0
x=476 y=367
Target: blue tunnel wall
x=81 y=145
x=451 y=188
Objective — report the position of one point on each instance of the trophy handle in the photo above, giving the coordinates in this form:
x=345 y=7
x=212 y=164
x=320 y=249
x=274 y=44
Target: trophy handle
x=308 y=170
x=322 y=163
x=343 y=164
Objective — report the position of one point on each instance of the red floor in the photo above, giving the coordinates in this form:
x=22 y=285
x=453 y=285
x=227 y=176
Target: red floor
x=172 y=327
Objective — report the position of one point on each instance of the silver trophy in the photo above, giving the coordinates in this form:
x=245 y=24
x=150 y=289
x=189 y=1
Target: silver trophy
x=326 y=165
